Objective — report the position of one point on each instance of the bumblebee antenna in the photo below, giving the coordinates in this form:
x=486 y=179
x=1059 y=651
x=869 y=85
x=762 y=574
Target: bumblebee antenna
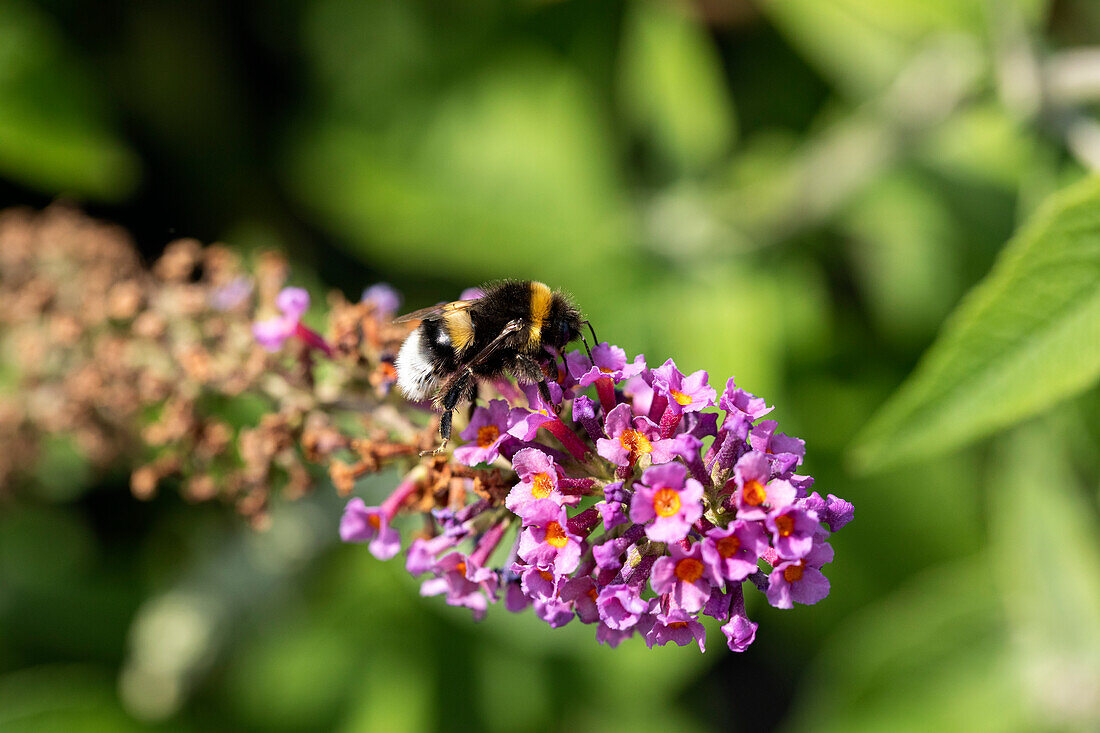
x=594 y=337
x=585 y=342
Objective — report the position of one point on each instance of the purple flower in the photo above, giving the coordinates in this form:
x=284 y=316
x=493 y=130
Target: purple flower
x=612 y=514
x=361 y=523
x=731 y=553
x=536 y=583
x=422 y=553
x=488 y=429
x=620 y=606
x=515 y=600
x=612 y=637
x=667 y=502
x=526 y=427
x=763 y=438
x=735 y=400
x=232 y=294
x=684 y=393
x=538 y=483
x=631 y=441
x=471 y=294
x=834 y=511
x=292 y=303
x=796 y=581
x=384 y=298
x=676 y=626
x=756 y=495
x=683 y=577
x=793 y=529
x=463 y=581
x=607 y=361
x=608 y=555
x=272 y=333
x=582 y=593
x=547 y=542
x=639 y=390
x=740 y=632
x=554 y=612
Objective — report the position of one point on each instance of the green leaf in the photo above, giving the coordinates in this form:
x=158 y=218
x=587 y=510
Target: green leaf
x=1024 y=338
x=929 y=657
x=862 y=44
x=905 y=257
x=672 y=86
x=1046 y=551
x=55 y=134
x=509 y=174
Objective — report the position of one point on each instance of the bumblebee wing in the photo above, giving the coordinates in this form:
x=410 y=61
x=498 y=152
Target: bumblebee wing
x=497 y=343
x=440 y=309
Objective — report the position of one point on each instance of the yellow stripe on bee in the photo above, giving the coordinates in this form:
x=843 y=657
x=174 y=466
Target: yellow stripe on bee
x=459 y=327
x=540 y=309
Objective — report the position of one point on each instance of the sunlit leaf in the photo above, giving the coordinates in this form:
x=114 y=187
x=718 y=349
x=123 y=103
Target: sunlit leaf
x=862 y=44
x=1024 y=338
x=1046 y=550
x=672 y=85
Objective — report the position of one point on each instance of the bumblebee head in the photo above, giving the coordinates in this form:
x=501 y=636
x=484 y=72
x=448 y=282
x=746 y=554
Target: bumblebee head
x=563 y=323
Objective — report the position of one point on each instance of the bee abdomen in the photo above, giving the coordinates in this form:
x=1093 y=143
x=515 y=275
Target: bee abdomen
x=415 y=365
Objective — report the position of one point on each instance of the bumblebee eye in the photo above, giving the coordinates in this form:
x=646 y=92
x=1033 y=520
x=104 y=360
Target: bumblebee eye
x=563 y=333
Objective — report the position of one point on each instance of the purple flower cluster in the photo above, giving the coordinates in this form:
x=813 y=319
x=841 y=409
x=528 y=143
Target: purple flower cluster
x=636 y=509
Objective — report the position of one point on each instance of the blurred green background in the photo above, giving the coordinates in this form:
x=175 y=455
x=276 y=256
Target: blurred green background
x=796 y=192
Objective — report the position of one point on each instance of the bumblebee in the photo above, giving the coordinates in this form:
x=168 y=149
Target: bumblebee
x=509 y=330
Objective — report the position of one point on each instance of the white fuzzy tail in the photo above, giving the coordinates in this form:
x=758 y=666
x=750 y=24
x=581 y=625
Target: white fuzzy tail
x=415 y=378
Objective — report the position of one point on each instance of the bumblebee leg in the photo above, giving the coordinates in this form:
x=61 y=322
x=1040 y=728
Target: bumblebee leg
x=534 y=368
x=473 y=400
x=454 y=393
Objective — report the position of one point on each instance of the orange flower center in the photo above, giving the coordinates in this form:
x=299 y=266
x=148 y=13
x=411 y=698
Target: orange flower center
x=606 y=371
x=487 y=435
x=542 y=486
x=728 y=546
x=680 y=397
x=792 y=574
x=753 y=493
x=678 y=625
x=689 y=570
x=546 y=575
x=785 y=525
x=460 y=568
x=374 y=520
x=555 y=535
x=666 y=502
x=593 y=594
x=635 y=442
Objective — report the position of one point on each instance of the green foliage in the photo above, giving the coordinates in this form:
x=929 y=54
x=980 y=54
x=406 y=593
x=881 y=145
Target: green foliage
x=512 y=161
x=1025 y=338
x=795 y=192
x=1047 y=566
x=54 y=130
x=672 y=86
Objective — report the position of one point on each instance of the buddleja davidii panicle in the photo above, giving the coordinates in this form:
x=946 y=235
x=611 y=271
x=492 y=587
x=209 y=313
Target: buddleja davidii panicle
x=160 y=366
x=614 y=513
